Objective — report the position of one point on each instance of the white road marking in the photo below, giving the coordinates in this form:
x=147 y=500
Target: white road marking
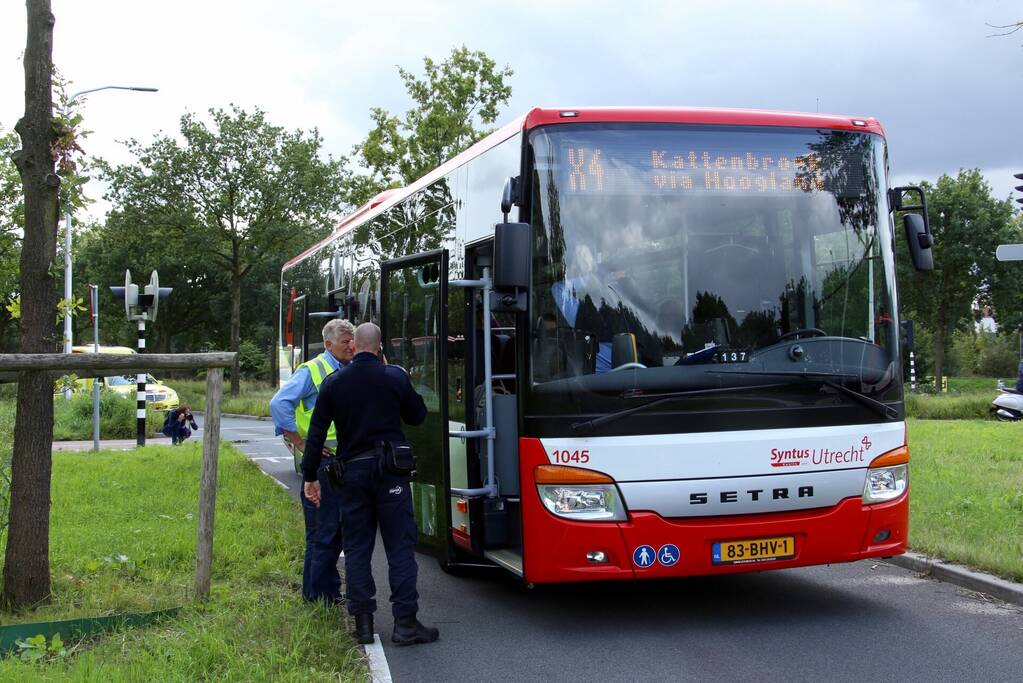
x=378 y=667
x=275 y=459
x=276 y=480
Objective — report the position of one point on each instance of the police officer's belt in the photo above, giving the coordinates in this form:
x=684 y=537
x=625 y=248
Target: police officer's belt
x=368 y=454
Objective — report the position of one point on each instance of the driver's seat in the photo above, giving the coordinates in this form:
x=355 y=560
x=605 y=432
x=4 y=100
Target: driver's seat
x=623 y=349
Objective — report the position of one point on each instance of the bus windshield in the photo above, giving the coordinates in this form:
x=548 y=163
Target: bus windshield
x=669 y=257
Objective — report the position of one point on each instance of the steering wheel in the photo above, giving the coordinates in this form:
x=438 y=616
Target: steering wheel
x=808 y=331
x=628 y=366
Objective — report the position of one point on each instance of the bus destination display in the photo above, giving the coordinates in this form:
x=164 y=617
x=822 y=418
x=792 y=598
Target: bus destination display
x=740 y=163
x=593 y=170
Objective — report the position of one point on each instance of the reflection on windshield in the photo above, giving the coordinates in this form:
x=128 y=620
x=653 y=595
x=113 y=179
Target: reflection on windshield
x=644 y=258
x=121 y=380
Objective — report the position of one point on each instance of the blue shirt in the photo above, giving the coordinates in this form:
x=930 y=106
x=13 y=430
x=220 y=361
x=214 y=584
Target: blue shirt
x=299 y=387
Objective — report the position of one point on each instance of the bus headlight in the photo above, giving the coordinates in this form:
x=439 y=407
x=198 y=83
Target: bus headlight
x=585 y=503
x=885 y=483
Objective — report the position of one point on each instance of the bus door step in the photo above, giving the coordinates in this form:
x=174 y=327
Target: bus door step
x=509 y=559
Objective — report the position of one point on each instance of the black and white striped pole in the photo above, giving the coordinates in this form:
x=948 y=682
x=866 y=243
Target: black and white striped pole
x=140 y=396
x=907 y=331
x=141 y=308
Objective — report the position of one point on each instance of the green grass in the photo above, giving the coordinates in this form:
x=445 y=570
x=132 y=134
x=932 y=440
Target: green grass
x=142 y=506
x=949 y=406
x=254 y=398
x=966 y=493
x=976 y=385
x=72 y=418
x=967 y=398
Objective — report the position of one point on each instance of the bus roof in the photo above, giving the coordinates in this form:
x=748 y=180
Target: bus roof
x=700 y=115
x=560 y=116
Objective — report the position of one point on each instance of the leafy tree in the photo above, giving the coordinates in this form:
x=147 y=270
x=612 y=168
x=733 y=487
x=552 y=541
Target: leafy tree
x=12 y=218
x=1006 y=290
x=240 y=194
x=968 y=224
x=72 y=167
x=454 y=102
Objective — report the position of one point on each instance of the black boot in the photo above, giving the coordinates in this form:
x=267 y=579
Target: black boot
x=364 y=628
x=409 y=632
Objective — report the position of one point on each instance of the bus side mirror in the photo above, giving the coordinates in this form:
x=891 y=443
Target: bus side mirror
x=511 y=265
x=918 y=233
x=920 y=241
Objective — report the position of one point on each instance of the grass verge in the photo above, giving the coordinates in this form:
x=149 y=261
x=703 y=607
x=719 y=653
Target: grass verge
x=967 y=398
x=72 y=418
x=966 y=493
x=123 y=534
x=254 y=398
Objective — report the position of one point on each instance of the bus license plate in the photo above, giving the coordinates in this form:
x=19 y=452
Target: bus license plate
x=756 y=550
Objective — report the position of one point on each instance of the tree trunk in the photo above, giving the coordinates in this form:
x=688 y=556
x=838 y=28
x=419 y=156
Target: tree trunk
x=27 y=559
x=236 y=324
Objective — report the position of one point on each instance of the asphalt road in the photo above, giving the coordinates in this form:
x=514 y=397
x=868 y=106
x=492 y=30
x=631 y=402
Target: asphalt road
x=855 y=622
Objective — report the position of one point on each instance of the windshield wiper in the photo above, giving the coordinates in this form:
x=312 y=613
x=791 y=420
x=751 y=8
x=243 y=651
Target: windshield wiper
x=825 y=378
x=660 y=398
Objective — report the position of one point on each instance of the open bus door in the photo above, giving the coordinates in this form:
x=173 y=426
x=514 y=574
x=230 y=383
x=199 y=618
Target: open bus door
x=413 y=319
x=441 y=343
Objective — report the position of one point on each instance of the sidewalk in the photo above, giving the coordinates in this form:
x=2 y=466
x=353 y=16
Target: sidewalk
x=112 y=444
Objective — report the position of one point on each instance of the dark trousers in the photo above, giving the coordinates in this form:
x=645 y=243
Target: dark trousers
x=370 y=498
x=320 y=578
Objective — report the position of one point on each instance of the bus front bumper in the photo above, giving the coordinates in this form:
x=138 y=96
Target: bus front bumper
x=560 y=550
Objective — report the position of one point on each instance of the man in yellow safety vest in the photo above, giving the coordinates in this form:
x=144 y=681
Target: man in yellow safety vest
x=292 y=409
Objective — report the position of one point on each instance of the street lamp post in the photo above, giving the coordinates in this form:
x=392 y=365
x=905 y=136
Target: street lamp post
x=67 y=225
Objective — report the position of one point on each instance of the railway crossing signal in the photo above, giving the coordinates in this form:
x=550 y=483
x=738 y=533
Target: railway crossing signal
x=140 y=308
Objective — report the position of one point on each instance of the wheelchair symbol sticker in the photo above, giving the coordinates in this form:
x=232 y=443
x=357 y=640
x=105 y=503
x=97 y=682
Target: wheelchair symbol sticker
x=643 y=556
x=668 y=554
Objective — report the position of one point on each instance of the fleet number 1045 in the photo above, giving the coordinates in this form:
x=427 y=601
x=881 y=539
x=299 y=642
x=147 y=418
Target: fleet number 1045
x=568 y=457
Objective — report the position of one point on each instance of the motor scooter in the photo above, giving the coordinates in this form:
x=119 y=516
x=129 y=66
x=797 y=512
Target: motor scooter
x=1008 y=405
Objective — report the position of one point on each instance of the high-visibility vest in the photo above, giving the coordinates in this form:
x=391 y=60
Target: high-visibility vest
x=318 y=369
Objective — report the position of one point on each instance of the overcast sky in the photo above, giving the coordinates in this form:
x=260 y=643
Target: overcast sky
x=948 y=95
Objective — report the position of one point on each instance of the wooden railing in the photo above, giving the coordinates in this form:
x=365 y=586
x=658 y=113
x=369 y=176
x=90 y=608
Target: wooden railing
x=103 y=364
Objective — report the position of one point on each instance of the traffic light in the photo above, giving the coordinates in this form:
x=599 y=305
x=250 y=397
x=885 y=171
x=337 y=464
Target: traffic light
x=1019 y=188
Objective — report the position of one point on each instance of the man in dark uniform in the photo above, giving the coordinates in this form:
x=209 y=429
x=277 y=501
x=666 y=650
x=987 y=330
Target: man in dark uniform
x=367 y=401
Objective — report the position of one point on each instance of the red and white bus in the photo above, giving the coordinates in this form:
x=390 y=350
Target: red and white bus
x=652 y=342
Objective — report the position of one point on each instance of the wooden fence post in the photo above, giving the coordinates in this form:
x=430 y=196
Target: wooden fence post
x=208 y=482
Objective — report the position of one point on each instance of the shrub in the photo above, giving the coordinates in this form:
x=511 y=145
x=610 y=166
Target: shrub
x=72 y=419
x=254 y=361
x=982 y=353
x=999 y=355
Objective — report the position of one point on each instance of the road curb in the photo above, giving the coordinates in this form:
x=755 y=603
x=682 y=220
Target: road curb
x=961 y=576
